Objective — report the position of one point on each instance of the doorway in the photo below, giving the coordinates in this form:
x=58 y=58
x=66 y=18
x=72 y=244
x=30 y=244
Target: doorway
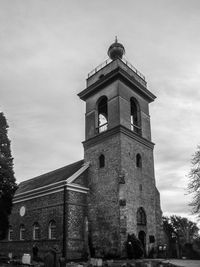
x=142 y=238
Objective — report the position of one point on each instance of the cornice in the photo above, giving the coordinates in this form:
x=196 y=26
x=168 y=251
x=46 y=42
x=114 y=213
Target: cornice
x=117 y=73
x=116 y=130
x=69 y=187
x=55 y=187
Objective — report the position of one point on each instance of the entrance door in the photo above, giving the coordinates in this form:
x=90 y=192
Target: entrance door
x=142 y=238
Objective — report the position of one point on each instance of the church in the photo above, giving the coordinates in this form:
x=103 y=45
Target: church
x=97 y=201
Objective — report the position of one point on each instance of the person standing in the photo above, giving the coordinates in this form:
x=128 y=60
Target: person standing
x=35 y=252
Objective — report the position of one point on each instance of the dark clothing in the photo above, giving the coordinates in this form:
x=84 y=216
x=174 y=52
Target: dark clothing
x=35 y=252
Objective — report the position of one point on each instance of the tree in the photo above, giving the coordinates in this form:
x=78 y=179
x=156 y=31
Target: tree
x=7 y=180
x=185 y=229
x=194 y=182
x=180 y=232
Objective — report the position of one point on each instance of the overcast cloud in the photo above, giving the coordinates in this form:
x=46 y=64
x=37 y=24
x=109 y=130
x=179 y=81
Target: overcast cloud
x=48 y=47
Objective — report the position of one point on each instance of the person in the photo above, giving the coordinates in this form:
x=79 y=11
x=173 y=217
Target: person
x=134 y=247
x=51 y=259
x=35 y=252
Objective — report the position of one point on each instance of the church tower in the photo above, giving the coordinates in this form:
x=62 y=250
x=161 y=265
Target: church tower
x=123 y=197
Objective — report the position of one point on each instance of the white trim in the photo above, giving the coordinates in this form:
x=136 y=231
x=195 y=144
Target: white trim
x=84 y=191
x=79 y=172
x=28 y=198
x=72 y=187
x=50 y=230
x=40 y=192
x=10 y=230
x=77 y=186
x=36 y=189
x=36 y=226
x=21 y=229
x=68 y=180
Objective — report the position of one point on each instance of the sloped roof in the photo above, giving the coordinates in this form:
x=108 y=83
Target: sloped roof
x=58 y=175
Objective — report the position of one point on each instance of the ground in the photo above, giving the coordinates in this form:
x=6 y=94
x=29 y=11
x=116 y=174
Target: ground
x=185 y=263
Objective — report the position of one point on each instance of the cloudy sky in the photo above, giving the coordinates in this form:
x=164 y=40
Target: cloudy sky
x=48 y=47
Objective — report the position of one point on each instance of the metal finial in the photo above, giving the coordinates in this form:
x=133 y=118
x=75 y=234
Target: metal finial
x=116 y=41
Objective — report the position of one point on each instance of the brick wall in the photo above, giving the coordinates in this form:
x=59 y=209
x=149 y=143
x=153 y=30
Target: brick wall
x=42 y=210
x=103 y=198
x=139 y=189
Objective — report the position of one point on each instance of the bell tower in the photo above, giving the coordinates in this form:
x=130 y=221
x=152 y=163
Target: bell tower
x=123 y=198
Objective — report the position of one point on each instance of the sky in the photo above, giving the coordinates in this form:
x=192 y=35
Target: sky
x=47 y=48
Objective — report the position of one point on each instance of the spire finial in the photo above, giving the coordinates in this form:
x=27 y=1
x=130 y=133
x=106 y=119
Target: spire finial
x=116 y=50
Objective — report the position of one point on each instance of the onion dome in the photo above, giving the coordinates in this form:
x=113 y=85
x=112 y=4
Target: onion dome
x=116 y=50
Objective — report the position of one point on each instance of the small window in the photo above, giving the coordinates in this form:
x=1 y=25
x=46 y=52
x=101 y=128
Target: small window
x=22 y=232
x=141 y=217
x=101 y=161
x=52 y=230
x=138 y=161
x=36 y=231
x=10 y=233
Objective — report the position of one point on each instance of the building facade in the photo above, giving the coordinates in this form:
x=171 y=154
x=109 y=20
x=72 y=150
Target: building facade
x=94 y=204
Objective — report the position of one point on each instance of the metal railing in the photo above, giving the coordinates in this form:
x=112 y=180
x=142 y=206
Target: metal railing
x=107 y=61
x=133 y=68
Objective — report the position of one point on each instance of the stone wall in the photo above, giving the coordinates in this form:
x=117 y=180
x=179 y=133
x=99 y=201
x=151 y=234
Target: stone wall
x=103 y=198
x=42 y=210
x=119 y=189
x=139 y=188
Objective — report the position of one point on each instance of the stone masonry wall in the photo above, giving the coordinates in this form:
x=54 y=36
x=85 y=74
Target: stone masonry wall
x=103 y=198
x=43 y=210
x=138 y=189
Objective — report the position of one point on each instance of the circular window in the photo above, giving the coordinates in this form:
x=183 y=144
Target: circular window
x=22 y=211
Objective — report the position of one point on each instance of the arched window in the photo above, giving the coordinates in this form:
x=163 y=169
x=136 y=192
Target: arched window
x=138 y=161
x=101 y=161
x=22 y=232
x=36 y=231
x=52 y=230
x=135 y=116
x=10 y=233
x=102 y=115
x=141 y=217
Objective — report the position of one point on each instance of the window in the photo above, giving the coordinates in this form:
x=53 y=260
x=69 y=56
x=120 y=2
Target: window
x=138 y=161
x=10 y=233
x=22 y=232
x=135 y=116
x=52 y=230
x=101 y=161
x=36 y=231
x=141 y=217
x=102 y=115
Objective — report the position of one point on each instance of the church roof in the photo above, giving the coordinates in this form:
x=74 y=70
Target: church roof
x=55 y=176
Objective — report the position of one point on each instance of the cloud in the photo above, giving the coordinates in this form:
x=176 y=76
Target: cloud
x=46 y=52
